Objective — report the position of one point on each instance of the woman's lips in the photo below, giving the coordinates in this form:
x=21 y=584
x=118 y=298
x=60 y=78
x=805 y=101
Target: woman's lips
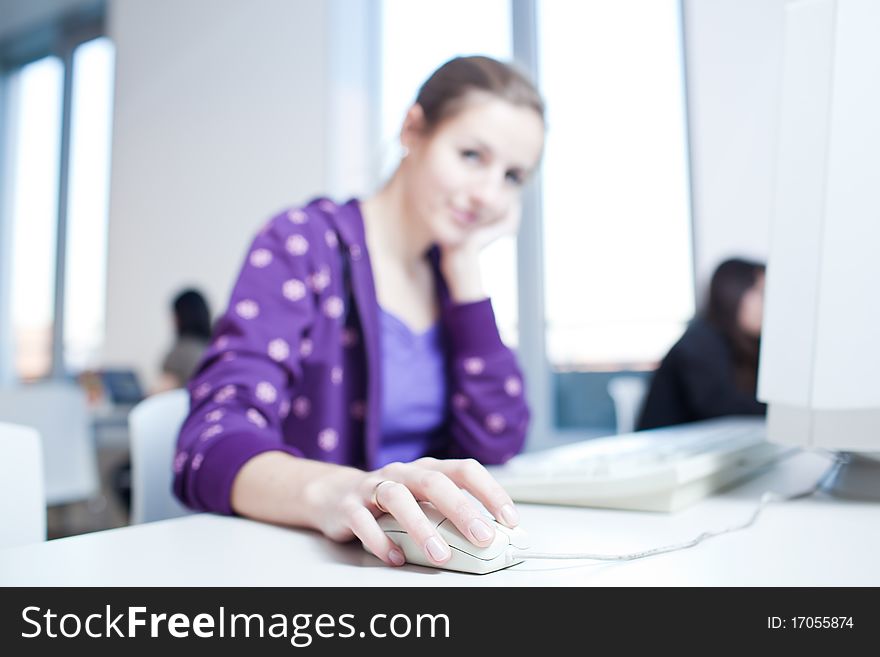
x=464 y=217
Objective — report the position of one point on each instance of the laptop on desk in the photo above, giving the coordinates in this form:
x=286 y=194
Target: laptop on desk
x=122 y=387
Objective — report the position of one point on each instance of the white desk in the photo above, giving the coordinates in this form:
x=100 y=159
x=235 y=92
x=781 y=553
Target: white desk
x=817 y=541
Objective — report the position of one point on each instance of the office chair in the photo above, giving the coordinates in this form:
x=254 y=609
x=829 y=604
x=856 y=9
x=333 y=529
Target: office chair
x=153 y=426
x=59 y=413
x=22 y=495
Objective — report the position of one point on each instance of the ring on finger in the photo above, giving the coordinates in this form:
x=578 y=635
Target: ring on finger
x=374 y=497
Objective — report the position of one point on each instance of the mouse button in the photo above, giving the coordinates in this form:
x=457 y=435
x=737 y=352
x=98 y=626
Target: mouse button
x=519 y=537
x=456 y=540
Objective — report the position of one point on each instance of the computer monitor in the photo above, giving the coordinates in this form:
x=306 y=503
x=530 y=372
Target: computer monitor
x=820 y=353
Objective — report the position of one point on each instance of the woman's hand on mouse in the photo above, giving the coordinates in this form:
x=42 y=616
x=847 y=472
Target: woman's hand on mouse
x=348 y=504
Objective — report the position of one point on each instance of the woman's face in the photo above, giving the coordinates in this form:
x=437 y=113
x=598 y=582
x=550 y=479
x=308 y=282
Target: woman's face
x=468 y=171
x=751 y=308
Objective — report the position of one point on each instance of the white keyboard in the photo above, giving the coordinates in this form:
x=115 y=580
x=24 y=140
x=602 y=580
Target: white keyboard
x=659 y=470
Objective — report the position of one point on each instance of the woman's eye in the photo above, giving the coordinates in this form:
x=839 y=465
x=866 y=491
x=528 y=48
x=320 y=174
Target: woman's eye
x=514 y=178
x=470 y=155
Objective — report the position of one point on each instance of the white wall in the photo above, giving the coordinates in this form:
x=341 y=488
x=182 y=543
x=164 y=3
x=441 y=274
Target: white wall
x=219 y=122
x=734 y=50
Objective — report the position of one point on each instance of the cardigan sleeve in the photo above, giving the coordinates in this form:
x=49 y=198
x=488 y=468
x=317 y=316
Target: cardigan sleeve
x=240 y=393
x=489 y=414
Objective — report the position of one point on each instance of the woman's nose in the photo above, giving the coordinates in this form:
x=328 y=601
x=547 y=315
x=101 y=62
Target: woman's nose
x=485 y=194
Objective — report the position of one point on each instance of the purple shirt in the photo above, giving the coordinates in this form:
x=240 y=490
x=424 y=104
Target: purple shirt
x=413 y=390
x=295 y=364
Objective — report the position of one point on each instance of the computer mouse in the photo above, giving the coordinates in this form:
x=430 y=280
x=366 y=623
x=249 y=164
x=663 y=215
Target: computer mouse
x=466 y=557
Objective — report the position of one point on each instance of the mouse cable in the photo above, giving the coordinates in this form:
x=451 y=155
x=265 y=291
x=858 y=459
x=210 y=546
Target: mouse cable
x=767 y=498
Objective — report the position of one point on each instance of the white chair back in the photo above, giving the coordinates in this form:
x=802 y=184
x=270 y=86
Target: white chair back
x=153 y=427
x=22 y=496
x=59 y=412
x=628 y=394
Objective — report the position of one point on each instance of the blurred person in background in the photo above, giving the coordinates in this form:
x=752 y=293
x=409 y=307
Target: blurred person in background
x=712 y=371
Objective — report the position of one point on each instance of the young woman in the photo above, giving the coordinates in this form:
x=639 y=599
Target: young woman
x=712 y=370
x=358 y=368
x=192 y=325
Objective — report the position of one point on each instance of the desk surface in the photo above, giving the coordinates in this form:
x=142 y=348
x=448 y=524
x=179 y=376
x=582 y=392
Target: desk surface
x=817 y=541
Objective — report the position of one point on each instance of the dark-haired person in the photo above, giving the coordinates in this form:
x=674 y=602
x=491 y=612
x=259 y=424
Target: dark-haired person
x=192 y=323
x=358 y=368
x=712 y=371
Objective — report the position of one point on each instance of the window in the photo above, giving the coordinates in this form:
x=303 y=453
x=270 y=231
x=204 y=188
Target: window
x=58 y=142
x=410 y=52
x=616 y=207
x=35 y=104
x=85 y=263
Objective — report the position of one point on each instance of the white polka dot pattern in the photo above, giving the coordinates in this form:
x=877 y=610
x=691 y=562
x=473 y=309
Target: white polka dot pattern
x=302 y=407
x=261 y=258
x=179 y=462
x=202 y=390
x=279 y=350
x=215 y=416
x=305 y=348
x=334 y=307
x=294 y=289
x=297 y=216
x=320 y=280
x=297 y=245
x=210 y=432
x=328 y=439
x=331 y=239
x=474 y=366
x=247 y=309
x=224 y=394
x=495 y=423
x=327 y=205
x=336 y=375
x=512 y=386
x=266 y=392
x=255 y=417
x=197 y=461
x=222 y=342
x=283 y=409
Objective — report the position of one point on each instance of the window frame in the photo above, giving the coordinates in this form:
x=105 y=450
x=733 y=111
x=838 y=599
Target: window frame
x=59 y=38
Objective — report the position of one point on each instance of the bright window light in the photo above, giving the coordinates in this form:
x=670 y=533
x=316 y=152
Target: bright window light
x=89 y=179
x=616 y=208
x=35 y=116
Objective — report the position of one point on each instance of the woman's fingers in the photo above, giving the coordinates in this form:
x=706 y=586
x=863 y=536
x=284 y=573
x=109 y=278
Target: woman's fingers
x=397 y=488
x=398 y=500
x=364 y=526
x=438 y=489
x=474 y=478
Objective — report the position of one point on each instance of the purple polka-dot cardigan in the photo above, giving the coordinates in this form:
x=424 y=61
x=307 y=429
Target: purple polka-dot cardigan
x=294 y=364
